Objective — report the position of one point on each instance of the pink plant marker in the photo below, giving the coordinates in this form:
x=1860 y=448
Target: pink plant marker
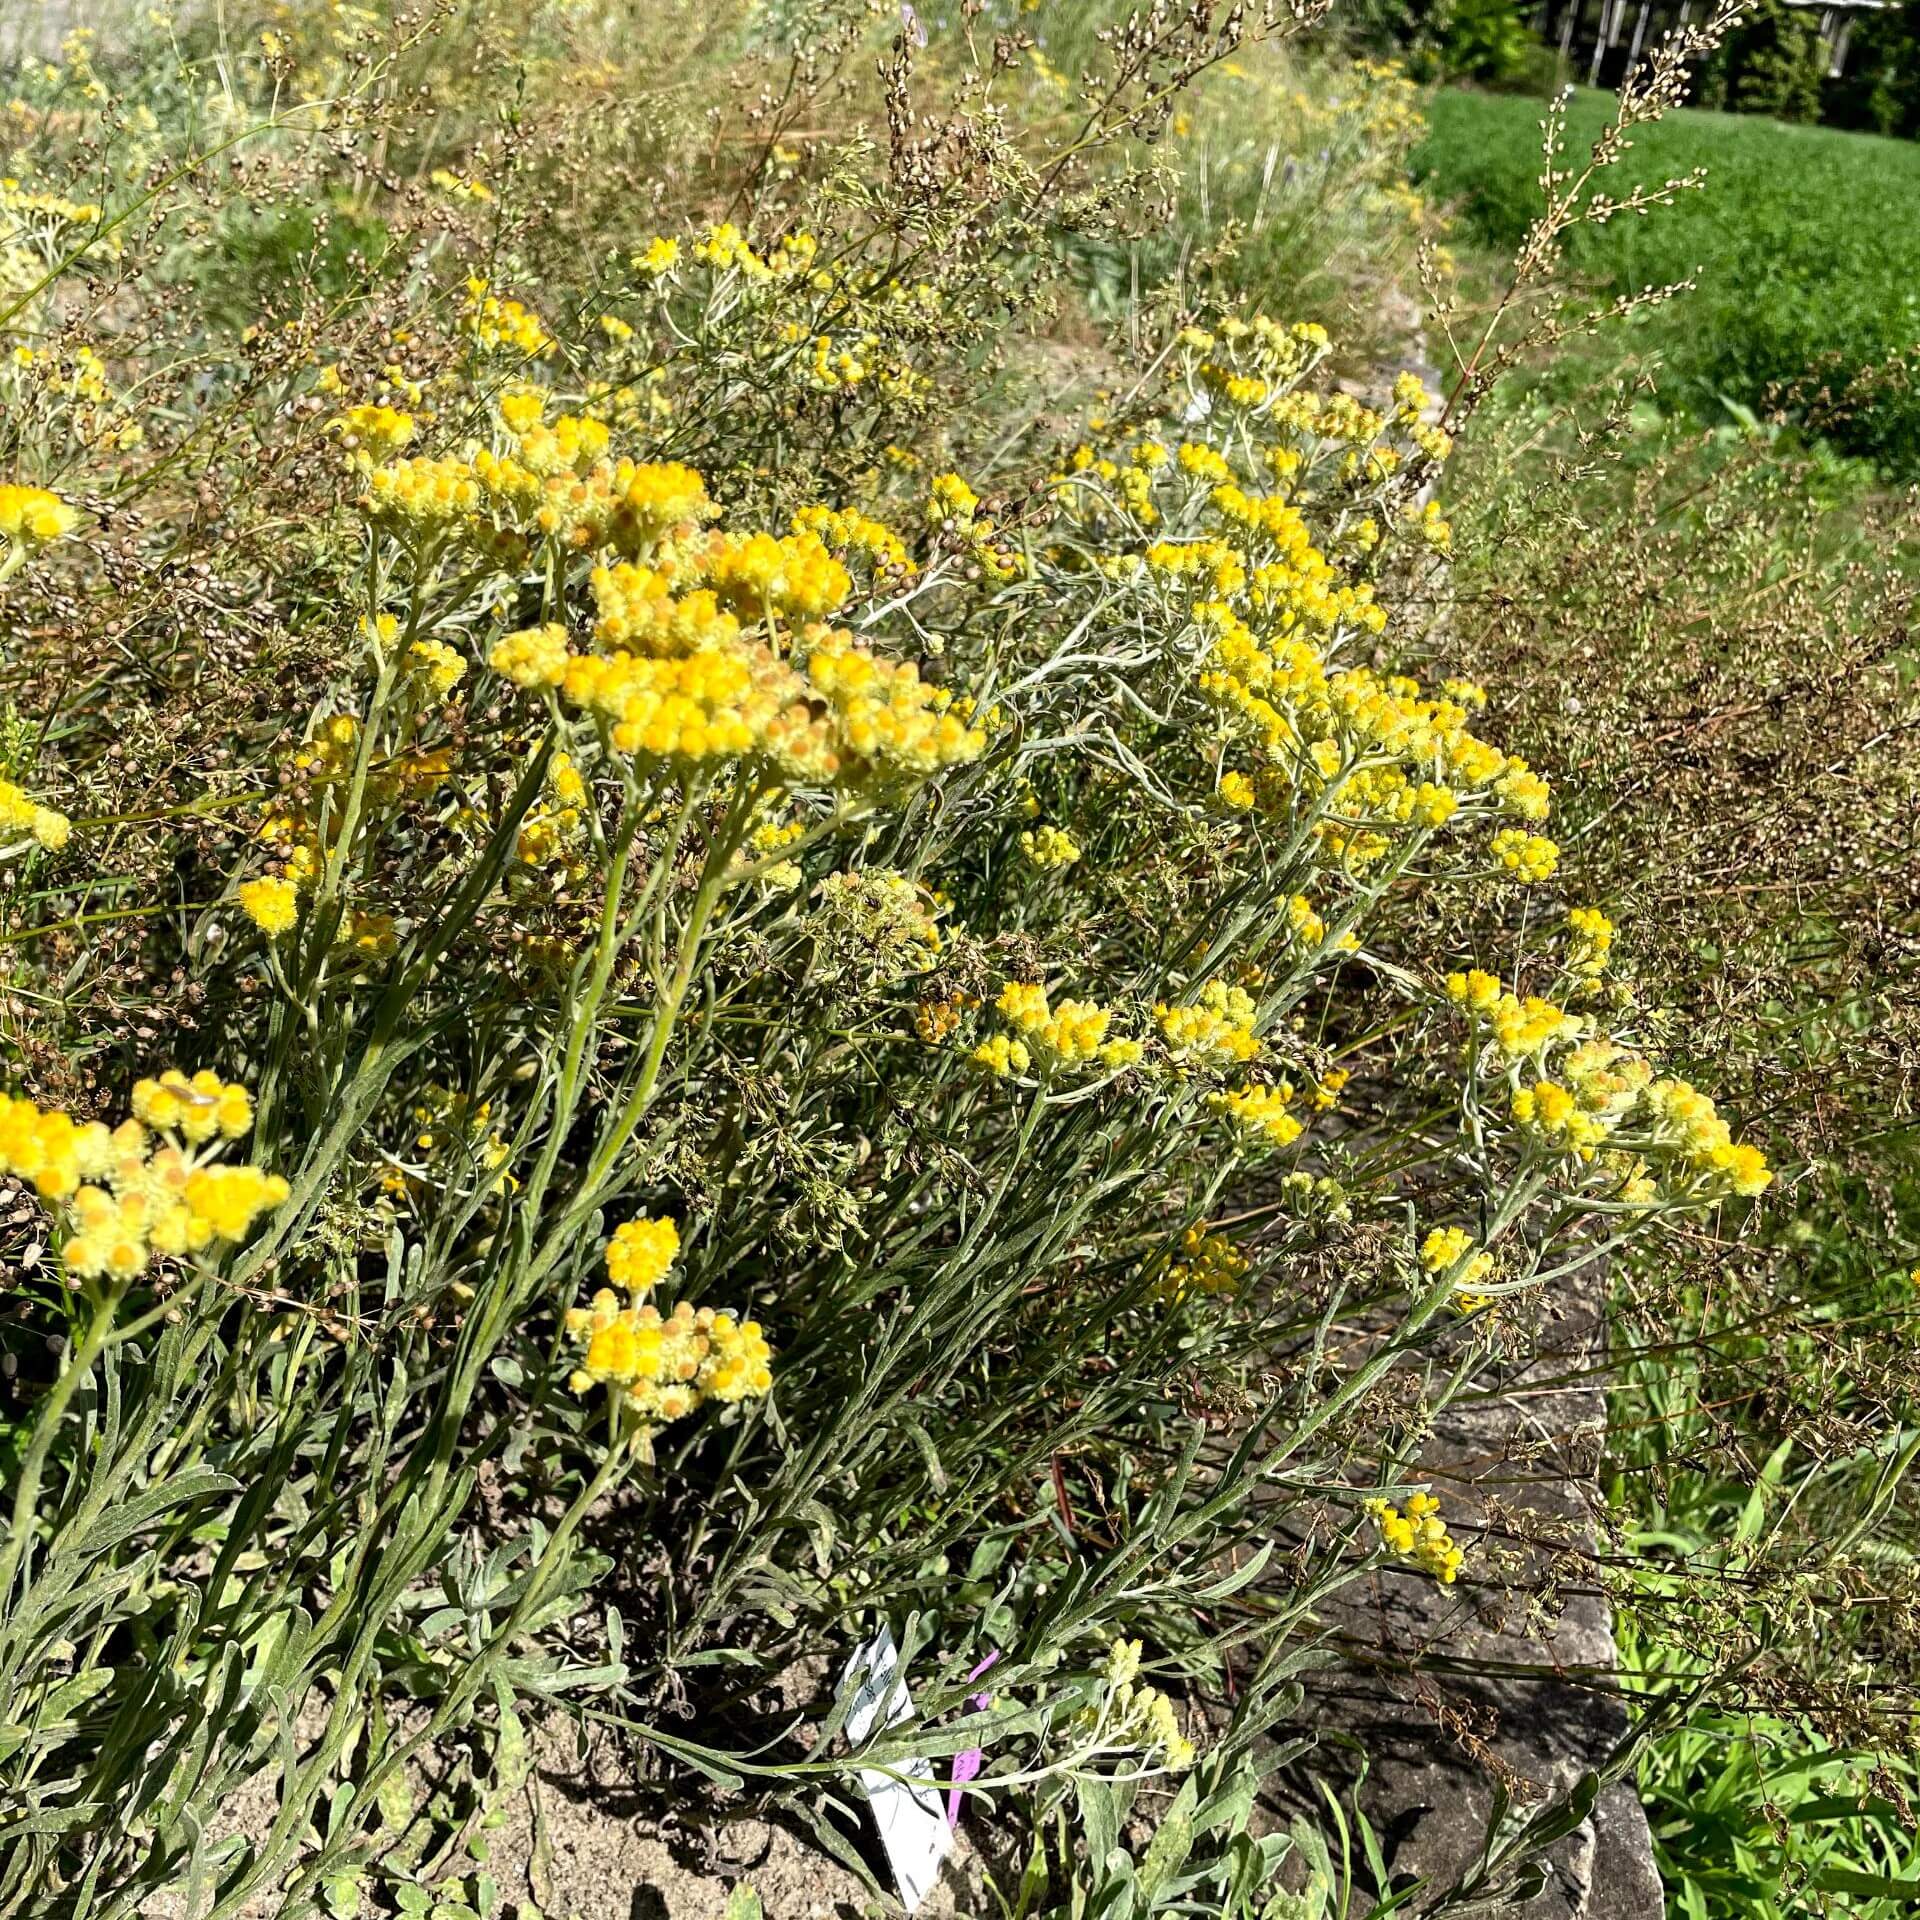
x=966 y=1765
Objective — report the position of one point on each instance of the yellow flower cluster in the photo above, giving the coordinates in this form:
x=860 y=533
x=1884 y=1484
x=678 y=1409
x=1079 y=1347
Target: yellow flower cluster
x=1519 y=1028
x=1213 y=566
x=849 y=719
x=424 y=491
x=654 y=499
x=31 y=516
x=1590 y=946
x=548 y=833
x=1208 y=1263
x=1527 y=856
x=951 y=503
x=852 y=534
x=196 y=1109
x=1600 y=1095
x=122 y=1196
x=26 y=208
x=369 y=936
x=292 y=826
x=1215 y=1030
x=1427 y=522
x=1255 y=367
x=459 y=186
x=640 y=611
x=372 y=432
x=1554 y=1116
x=1419 y=1535
x=660 y=1368
x=1685 y=1123
x=1375 y=761
x=1259 y=1115
x=771 y=836
x=1453 y=1250
x=435 y=666
x=272 y=903
x=709 y=706
x=573 y=444
x=75 y=378
x=1000 y=1054
x=680 y=678
x=21 y=814
x=886 y=721
x=1070 y=1034
x=554 y=485
x=936 y=1020
x=1324 y=1095
x=640 y=1253
x=534 y=657
x=1049 y=847
x=1521 y=791
x=756 y=574
x=698 y=1349
x=724 y=247
x=1387 y=759
x=1133 y=482
x=497 y=323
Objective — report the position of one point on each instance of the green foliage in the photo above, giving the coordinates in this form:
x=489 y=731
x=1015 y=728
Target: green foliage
x=1808 y=272
x=1760 y=1811
x=1489 y=41
x=281 y=253
x=1754 y=1820
x=1714 y=628
x=1772 y=63
x=1880 y=86
x=1292 y=192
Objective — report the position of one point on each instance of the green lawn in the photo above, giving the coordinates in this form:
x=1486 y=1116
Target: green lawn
x=1805 y=244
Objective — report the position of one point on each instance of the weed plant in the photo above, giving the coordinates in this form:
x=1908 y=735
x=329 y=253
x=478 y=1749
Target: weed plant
x=1802 y=294
x=1713 y=631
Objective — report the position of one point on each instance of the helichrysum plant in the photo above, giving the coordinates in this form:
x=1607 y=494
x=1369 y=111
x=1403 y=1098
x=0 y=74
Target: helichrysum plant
x=763 y=952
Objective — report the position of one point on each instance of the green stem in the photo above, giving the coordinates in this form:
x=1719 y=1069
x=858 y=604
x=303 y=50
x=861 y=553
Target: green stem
x=26 y=1493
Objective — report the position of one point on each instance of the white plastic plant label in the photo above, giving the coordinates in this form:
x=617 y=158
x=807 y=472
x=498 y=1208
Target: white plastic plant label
x=910 y=1819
